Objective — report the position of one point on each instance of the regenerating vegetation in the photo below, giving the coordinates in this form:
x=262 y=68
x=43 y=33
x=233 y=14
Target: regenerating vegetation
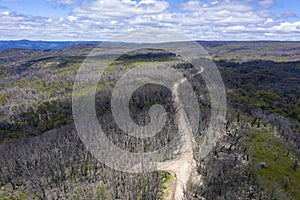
x=257 y=157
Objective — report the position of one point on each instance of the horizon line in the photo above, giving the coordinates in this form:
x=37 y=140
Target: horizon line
x=200 y=40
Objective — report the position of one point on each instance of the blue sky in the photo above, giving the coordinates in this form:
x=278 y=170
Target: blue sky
x=197 y=19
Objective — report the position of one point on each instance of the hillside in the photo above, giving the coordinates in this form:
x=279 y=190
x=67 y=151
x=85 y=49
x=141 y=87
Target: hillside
x=256 y=158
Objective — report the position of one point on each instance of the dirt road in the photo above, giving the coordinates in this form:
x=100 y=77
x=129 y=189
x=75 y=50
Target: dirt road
x=181 y=168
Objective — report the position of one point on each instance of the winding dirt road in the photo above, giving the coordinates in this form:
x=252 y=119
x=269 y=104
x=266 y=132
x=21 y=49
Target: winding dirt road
x=181 y=168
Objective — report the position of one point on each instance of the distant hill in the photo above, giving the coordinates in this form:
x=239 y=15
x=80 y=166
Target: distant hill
x=40 y=45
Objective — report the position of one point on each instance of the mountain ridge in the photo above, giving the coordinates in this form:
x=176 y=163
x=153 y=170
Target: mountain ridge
x=40 y=45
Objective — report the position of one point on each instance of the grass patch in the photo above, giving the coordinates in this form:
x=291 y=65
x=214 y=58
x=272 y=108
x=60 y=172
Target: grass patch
x=282 y=174
x=166 y=177
x=166 y=182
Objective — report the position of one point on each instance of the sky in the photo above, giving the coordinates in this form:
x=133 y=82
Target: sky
x=69 y=20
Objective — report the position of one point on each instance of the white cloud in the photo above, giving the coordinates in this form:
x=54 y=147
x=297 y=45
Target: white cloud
x=232 y=6
x=71 y=18
x=288 y=27
x=5 y=13
x=108 y=9
x=102 y=19
x=64 y=2
x=265 y=3
x=191 y=5
x=269 y=20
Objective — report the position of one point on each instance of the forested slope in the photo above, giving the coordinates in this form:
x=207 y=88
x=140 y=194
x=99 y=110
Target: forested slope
x=257 y=157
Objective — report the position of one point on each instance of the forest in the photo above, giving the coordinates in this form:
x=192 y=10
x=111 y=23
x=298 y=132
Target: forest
x=257 y=156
